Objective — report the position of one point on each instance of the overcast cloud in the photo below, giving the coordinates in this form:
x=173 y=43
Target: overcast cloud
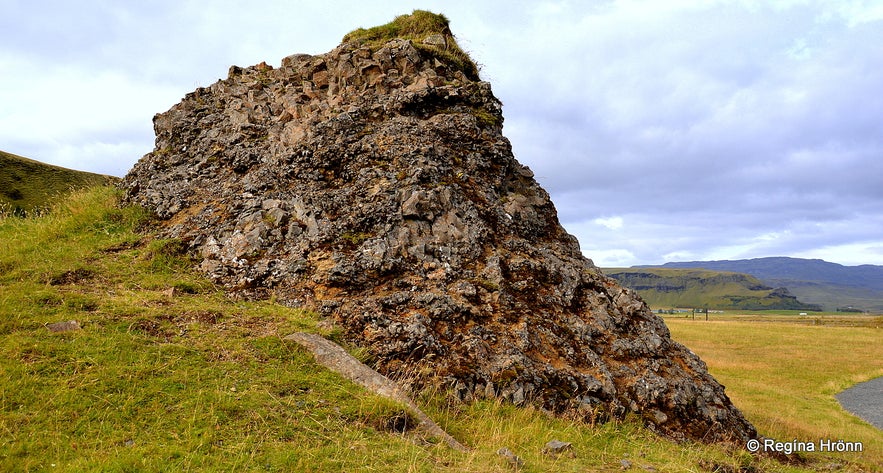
x=664 y=130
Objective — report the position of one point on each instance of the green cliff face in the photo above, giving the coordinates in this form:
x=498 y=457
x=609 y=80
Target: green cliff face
x=667 y=288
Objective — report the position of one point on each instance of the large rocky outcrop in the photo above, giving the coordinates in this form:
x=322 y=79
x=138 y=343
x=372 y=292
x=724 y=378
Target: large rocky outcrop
x=373 y=184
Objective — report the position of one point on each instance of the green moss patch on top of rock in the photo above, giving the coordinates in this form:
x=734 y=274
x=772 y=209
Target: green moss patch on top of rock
x=430 y=33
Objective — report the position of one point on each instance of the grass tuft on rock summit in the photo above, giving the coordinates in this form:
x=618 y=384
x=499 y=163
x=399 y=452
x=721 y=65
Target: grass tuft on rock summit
x=417 y=27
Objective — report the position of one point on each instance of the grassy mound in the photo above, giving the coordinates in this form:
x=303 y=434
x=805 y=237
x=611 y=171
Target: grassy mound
x=416 y=27
x=167 y=373
x=27 y=185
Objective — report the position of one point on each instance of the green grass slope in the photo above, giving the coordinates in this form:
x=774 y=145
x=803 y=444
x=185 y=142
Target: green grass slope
x=664 y=288
x=27 y=185
x=168 y=373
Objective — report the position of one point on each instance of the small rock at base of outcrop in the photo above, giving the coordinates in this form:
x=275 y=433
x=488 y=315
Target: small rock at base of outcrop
x=335 y=358
x=69 y=326
x=625 y=464
x=556 y=447
x=510 y=457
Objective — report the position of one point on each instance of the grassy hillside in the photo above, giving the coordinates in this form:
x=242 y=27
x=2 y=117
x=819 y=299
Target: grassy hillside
x=167 y=373
x=665 y=288
x=26 y=185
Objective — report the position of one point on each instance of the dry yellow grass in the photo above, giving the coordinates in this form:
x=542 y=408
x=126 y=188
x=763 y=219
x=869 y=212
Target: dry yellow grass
x=784 y=376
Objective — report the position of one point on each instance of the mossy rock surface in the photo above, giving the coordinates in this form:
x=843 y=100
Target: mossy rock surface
x=418 y=26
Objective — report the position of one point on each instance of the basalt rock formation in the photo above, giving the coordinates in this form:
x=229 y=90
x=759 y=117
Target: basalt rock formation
x=373 y=185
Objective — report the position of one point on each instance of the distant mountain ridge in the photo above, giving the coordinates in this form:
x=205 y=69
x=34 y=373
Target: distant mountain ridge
x=814 y=281
x=799 y=269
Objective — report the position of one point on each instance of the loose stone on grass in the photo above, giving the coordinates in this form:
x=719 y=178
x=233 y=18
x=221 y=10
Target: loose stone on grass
x=510 y=457
x=557 y=447
x=68 y=326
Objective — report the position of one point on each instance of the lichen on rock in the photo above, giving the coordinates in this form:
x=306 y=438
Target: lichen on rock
x=373 y=185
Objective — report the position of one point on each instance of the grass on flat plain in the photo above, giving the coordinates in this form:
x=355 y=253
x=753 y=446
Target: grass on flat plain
x=167 y=373
x=784 y=374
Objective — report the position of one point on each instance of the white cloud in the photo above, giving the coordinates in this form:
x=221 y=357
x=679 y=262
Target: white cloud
x=850 y=254
x=67 y=102
x=112 y=158
x=607 y=258
x=610 y=223
x=91 y=120
x=858 y=12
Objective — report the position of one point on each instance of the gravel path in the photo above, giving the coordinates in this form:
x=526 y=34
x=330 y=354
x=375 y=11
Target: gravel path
x=865 y=400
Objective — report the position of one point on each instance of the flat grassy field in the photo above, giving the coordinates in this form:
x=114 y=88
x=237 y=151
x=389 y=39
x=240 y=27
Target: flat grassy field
x=168 y=373
x=784 y=370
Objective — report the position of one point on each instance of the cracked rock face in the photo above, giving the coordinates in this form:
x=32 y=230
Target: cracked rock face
x=376 y=188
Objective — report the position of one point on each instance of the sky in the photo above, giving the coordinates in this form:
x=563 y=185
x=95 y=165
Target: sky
x=674 y=130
